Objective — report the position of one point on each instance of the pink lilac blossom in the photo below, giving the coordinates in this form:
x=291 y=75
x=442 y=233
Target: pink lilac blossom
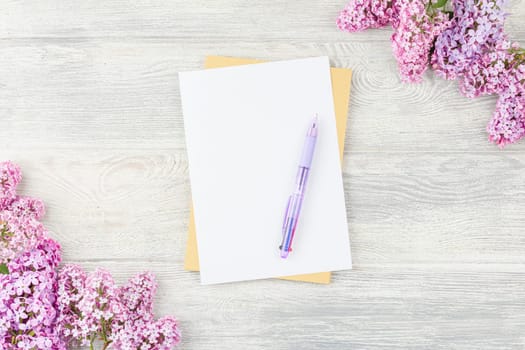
x=42 y=309
x=363 y=14
x=28 y=298
x=99 y=307
x=10 y=176
x=416 y=25
x=413 y=38
x=502 y=72
x=45 y=257
x=92 y=309
x=140 y=330
x=515 y=79
x=70 y=321
x=18 y=234
x=163 y=334
x=27 y=206
x=137 y=296
x=508 y=123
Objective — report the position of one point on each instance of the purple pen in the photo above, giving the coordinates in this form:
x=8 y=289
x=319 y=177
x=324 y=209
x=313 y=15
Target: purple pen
x=295 y=201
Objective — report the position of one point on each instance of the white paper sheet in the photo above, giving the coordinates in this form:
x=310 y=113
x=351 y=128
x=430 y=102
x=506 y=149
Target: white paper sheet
x=245 y=127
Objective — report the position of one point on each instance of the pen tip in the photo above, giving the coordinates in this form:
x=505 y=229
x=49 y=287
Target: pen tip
x=313 y=128
x=284 y=254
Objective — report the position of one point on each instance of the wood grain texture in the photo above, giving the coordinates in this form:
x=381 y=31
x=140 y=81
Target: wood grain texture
x=90 y=108
x=407 y=209
x=124 y=94
x=216 y=21
x=362 y=309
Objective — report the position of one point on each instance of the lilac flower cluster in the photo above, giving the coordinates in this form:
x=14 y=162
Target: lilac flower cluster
x=10 y=177
x=460 y=39
x=91 y=307
x=20 y=230
x=416 y=24
x=30 y=258
x=140 y=328
x=18 y=234
x=46 y=308
x=508 y=123
x=414 y=33
x=477 y=28
x=363 y=14
x=27 y=300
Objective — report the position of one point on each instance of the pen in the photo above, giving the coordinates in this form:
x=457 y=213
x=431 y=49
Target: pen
x=295 y=201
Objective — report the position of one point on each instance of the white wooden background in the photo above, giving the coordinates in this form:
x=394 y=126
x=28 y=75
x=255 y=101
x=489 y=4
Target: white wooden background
x=90 y=108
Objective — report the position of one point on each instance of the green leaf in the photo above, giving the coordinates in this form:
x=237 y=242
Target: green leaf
x=3 y=269
x=439 y=3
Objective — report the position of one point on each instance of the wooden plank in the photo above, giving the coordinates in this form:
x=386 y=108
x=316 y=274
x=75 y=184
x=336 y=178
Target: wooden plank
x=225 y=21
x=125 y=95
x=419 y=209
x=362 y=309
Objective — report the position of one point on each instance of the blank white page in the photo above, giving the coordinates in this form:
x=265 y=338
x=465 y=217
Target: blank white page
x=245 y=127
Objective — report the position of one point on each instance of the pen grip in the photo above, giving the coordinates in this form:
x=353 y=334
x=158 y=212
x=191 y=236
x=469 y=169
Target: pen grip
x=290 y=222
x=308 y=151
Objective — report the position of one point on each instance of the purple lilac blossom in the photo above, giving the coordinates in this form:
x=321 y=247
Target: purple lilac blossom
x=478 y=26
x=489 y=74
x=28 y=300
x=472 y=47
